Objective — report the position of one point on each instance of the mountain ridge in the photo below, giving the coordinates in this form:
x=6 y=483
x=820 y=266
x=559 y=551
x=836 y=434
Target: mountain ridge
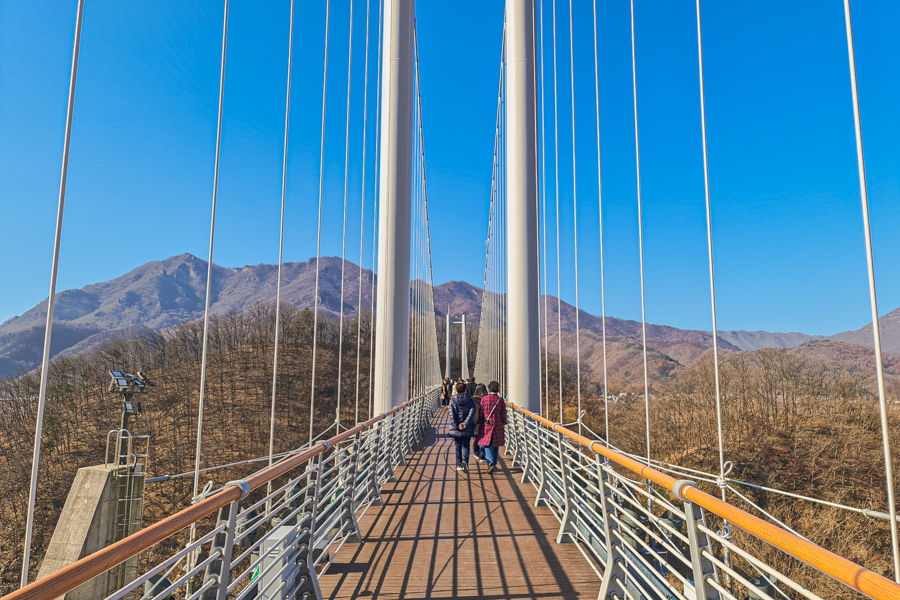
x=160 y=294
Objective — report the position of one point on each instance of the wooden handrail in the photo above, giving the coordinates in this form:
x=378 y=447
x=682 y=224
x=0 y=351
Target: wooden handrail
x=68 y=578
x=847 y=572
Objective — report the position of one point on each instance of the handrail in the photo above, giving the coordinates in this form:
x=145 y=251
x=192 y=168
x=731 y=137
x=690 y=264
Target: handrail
x=847 y=572
x=68 y=578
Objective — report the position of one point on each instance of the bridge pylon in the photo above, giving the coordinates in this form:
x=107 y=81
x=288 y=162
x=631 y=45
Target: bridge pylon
x=523 y=340
x=395 y=201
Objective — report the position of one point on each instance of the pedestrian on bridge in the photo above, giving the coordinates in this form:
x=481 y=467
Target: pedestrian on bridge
x=492 y=415
x=470 y=386
x=480 y=392
x=462 y=425
x=446 y=391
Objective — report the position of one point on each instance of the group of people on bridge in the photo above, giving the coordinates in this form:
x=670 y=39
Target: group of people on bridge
x=478 y=411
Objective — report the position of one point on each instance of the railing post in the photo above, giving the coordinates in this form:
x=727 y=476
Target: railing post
x=385 y=458
x=614 y=575
x=315 y=476
x=527 y=450
x=373 y=489
x=349 y=526
x=543 y=494
x=398 y=424
x=698 y=542
x=567 y=524
x=512 y=447
x=220 y=569
x=306 y=582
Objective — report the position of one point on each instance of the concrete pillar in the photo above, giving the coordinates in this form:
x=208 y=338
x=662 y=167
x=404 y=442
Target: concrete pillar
x=447 y=346
x=464 y=352
x=523 y=334
x=396 y=147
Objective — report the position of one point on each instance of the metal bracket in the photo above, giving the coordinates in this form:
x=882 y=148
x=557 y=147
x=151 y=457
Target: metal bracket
x=615 y=574
x=567 y=530
x=698 y=542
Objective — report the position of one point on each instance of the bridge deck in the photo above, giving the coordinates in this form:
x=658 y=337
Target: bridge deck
x=442 y=534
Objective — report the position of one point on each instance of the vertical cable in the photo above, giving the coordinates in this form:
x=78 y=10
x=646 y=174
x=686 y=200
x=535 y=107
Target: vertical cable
x=709 y=244
x=637 y=155
x=287 y=114
x=209 y=270
x=556 y=175
x=544 y=216
x=575 y=213
x=51 y=300
x=600 y=202
x=876 y=334
x=337 y=415
x=375 y=212
x=312 y=387
x=362 y=215
x=209 y=265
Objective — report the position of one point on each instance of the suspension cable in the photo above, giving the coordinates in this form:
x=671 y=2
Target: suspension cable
x=375 y=212
x=600 y=203
x=637 y=155
x=287 y=114
x=709 y=244
x=544 y=217
x=362 y=214
x=575 y=213
x=51 y=300
x=556 y=175
x=312 y=387
x=209 y=270
x=337 y=411
x=876 y=334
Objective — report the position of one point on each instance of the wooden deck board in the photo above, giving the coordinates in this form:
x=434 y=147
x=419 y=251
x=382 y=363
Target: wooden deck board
x=443 y=534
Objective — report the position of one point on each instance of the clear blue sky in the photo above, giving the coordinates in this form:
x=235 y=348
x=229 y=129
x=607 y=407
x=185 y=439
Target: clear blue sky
x=786 y=211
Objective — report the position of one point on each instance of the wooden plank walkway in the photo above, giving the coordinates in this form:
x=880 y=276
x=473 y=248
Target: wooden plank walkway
x=443 y=534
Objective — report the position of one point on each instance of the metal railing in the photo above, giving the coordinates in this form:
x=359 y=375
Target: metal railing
x=272 y=546
x=651 y=533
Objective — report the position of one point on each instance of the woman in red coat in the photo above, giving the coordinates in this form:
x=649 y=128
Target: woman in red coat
x=492 y=416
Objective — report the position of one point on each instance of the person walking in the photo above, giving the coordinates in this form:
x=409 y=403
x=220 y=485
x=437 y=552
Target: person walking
x=462 y=425
x=480 y=392
x=492 y=414
x=470 y=386
x=446 y=391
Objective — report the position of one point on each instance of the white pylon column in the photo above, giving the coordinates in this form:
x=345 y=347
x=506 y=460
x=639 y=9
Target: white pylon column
x=395 y=182
x=523 y=342
x=464 y=352
x=447 y=347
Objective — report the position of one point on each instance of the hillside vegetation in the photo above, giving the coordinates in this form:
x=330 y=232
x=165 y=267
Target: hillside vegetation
x=80 y=412
x=803 y=420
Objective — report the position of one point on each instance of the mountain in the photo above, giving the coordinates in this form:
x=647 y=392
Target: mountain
x=888 y=326
x=163 y=293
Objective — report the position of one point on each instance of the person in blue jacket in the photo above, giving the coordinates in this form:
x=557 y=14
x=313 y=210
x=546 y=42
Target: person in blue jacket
x=462 y=425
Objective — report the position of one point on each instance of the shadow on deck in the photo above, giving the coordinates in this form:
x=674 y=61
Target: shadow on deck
x=443 y=534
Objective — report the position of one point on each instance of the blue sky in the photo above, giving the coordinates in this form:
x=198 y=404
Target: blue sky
x=787 y=224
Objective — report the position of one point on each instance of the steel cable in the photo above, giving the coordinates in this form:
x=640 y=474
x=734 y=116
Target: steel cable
x=556 y=175
x=337 y=415
x=600 y=203
x=637 y=155
x=51 y=299
x=312 y=388
x=575 y=215
x=209 y=270
x=876 y=334
x=362 y=213
x=287 y=113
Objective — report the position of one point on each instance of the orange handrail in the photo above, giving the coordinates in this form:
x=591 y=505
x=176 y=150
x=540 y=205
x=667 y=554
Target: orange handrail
x=847 y=572
x=68 y=578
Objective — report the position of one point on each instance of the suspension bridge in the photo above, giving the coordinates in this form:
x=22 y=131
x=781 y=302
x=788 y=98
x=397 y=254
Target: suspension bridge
x=375 y=507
